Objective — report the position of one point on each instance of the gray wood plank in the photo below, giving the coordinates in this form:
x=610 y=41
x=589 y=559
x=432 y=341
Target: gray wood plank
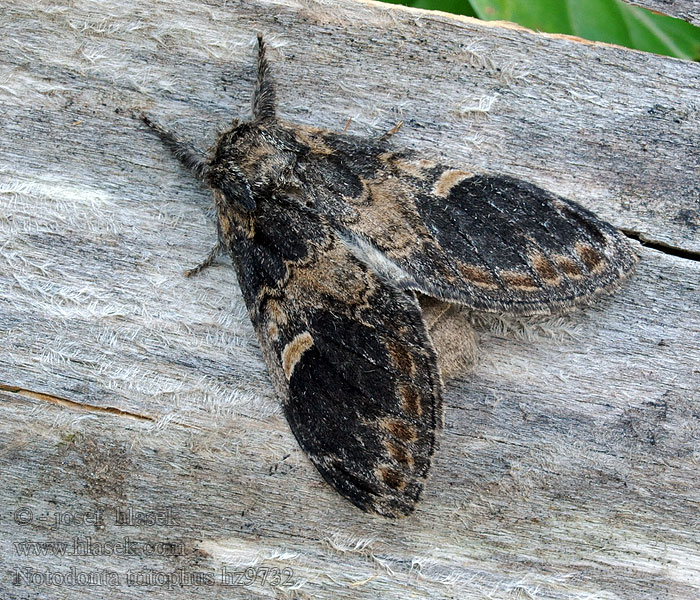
x=688 y=10
x=567 y=465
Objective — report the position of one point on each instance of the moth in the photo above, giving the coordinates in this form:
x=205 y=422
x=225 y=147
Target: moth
x=333 y=237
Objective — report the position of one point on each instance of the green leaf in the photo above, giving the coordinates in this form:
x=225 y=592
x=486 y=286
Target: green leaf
x=457 y=7
x=611 y=21
x=540 y=15
x=599 y=20
x=662 y=35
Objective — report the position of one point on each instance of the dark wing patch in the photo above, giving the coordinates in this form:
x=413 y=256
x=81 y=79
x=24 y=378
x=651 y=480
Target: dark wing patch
x=349 y=355
x=522 y=249
x=492 y=243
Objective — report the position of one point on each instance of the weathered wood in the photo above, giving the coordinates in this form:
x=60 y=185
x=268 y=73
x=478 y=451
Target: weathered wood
x=568 y=463
x=688 y=10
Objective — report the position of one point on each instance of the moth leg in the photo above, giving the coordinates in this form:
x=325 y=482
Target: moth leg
x=184 y=152
x=218 y=248
x=391 y=132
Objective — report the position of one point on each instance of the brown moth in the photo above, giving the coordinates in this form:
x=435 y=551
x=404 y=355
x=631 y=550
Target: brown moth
x=333 y=237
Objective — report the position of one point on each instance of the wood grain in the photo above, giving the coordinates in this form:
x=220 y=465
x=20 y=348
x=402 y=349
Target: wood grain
x=688 y=10
x=568 y=462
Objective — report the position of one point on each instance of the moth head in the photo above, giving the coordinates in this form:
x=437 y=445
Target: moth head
x=226 y=173
x=234 y=188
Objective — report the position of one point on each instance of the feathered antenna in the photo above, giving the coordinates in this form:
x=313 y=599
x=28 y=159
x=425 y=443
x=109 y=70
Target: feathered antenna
x=264 y=95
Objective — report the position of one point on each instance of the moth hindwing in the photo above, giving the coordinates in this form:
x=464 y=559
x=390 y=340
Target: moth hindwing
x=332 y=237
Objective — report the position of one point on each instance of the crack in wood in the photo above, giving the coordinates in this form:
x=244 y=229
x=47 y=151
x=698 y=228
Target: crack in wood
x=13 y=389
x=661 y=246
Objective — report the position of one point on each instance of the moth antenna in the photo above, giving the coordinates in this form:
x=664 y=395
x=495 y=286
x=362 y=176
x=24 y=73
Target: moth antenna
x=194 y=160
x=264 y=96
